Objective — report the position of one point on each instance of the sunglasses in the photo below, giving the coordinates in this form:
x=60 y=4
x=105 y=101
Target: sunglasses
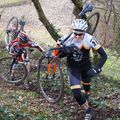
x=79 y=34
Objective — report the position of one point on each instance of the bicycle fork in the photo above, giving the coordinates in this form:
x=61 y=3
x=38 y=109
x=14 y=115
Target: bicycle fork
x=51 y=68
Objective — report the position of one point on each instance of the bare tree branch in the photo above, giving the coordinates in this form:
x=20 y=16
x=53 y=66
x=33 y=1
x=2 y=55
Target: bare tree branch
x=107 y=17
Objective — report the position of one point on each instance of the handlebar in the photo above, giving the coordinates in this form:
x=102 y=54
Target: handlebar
x=65 y=49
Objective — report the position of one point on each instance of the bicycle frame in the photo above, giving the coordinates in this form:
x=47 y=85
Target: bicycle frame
x=16 y=60
x=24 y=58
x=52 y=64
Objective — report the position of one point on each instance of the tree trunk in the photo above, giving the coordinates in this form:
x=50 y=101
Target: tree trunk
x=49 y=26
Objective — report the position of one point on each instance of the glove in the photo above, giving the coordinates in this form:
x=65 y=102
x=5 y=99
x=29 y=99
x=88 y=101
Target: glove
x=93 y=72
x=70 y=49
x=55 y=52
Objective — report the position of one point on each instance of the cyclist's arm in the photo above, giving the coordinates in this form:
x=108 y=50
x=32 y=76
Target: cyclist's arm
x=96 y=46
x=12 y=51
x=103 y=58
x=55 y=52
x=15 y=49
x=60 y=43
x=40 y=48
x=59 y=53
x=34 y=45
x=12 y=42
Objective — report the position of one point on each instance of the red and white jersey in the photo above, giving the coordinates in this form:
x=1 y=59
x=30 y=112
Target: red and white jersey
x=15 y=44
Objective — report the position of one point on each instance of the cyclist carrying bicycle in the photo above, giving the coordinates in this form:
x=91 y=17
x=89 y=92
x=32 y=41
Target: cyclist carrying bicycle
x=16 y=48
x=79 y=64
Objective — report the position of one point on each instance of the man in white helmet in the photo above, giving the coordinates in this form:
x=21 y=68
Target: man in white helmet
x=79 y=64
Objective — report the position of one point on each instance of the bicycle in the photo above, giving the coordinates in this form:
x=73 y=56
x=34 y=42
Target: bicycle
x=12 y=69
x=51 y=83
x=13 y=27
x=92 y=20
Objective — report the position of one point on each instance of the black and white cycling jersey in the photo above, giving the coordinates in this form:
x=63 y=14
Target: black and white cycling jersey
x=87 y=42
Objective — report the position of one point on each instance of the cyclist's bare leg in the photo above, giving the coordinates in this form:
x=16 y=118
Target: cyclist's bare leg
x=12 y=74
x=85 y=106
x=13 y=71
x=26 y=82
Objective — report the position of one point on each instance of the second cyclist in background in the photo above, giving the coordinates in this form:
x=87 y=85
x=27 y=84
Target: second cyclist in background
x=16 y=47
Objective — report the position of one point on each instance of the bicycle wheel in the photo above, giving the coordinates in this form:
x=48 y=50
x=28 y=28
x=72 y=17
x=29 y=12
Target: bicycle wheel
x=6 y=68
x=12 y=24
x=11 y=29
x=50 y=81
x=93 y=21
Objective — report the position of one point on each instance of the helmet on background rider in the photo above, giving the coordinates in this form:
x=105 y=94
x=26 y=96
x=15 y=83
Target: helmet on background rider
x=23 y=37
x=79 y=25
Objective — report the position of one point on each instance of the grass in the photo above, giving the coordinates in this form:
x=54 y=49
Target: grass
x=112 y=67
x=21 y=104
x=41 y=36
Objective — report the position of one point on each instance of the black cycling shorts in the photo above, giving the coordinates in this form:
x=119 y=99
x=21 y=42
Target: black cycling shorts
x=78 y=72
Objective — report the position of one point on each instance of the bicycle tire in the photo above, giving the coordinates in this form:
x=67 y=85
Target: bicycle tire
x=20 y=71
x=10 y=23
x=52 y=89
x=13 y=23
x=92 y=22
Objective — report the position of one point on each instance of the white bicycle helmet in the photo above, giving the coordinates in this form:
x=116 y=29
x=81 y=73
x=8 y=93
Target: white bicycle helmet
x=80 y=25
